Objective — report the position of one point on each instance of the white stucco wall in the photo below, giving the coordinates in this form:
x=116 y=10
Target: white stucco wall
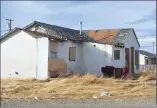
x=18 y=54
x=63 y=53
x=121 y=62
x=95 y=57
x=142 y=59
x=42 y=57
x=132 y=42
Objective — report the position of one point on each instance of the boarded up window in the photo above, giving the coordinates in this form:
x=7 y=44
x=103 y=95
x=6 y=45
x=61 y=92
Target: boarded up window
x=116 y=54
x=137 y=59
x=53 y=54
x=72 y=53
x=53 y=46
x=53 y=49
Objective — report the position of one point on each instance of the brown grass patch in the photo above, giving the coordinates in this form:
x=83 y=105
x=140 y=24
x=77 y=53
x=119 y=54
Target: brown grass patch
x=147 y=76
x=76 y=87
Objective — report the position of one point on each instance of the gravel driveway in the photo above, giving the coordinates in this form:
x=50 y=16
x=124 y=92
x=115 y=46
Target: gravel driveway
x=68 y=103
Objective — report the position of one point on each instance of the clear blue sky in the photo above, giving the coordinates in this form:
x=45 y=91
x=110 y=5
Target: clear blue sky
x=140 y=15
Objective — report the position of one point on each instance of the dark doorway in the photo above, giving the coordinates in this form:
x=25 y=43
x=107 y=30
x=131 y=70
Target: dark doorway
x=132 y=60
x=127 y=60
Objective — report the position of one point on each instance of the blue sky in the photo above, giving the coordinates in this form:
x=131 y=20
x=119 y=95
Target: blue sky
x=140 y=15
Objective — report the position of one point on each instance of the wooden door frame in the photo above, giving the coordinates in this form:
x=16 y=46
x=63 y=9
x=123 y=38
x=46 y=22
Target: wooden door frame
x=132 y=59
x=127 y=58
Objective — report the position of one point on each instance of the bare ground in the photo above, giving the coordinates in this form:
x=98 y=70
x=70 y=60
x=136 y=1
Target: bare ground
x=81 y=103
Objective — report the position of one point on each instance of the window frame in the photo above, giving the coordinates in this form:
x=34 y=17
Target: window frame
x=70 y=54
x=50 y=54
x=117 y=58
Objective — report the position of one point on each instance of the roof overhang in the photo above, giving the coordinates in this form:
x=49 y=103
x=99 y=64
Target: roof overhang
x=136 y=36
x=3 y=37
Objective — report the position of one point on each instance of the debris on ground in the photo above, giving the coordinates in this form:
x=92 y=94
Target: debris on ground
x=36 y=98
x=104 y=93
x=101 y=94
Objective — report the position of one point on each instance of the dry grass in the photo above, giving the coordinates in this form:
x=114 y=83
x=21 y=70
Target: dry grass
x=76 y=87
x=146 y=76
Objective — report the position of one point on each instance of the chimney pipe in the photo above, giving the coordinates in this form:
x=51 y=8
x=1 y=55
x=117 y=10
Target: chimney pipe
x=81 y=28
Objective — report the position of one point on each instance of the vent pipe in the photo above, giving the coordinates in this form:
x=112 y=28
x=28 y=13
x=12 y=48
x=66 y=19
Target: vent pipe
x=80 y=27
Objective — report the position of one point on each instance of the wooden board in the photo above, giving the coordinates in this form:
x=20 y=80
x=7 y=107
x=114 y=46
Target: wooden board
x=53 y=45
x=127 y=60
x=132 y=59
x=56 y=66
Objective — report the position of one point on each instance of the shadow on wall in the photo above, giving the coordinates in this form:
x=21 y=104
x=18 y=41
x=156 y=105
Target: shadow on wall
x=96 y=56
x=103 y=48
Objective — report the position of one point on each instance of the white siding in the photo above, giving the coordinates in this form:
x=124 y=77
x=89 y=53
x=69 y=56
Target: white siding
x=63 y=53
x=132 y=42
x=121 y=62
x=95 y=57
x=18 y=54
x=42 y=58
x=142 y=59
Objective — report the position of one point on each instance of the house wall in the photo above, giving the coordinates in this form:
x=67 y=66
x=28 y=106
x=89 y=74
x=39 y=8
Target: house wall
x=95 y=57
x=18 y=54
x=121 y=62
x=42 y=57
x=132 y=42
x=142 y=59
x=91 y=59
x=55 y=65
x=63 y=53
x=149 y=61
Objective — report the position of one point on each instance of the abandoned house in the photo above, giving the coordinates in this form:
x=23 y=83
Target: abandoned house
x=39 y=50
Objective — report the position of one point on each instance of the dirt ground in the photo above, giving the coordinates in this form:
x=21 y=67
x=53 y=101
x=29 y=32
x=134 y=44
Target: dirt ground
x=82 y=103
x=78 y=87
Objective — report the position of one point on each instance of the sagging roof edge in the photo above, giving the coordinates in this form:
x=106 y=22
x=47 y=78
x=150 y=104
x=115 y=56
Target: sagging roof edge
x=28 y=32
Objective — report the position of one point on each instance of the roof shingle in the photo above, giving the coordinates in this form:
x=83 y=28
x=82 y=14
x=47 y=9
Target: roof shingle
x=65 y=33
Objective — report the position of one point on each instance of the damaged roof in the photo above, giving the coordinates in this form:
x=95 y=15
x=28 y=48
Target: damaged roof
x=57 y=32
x=32 y=33
x=102 y=36
x=62 y=32
x=38 y=34
x=109 y=35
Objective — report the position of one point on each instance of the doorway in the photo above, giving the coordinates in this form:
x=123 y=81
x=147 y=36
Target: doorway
x=132 y=60
x=127 y=60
